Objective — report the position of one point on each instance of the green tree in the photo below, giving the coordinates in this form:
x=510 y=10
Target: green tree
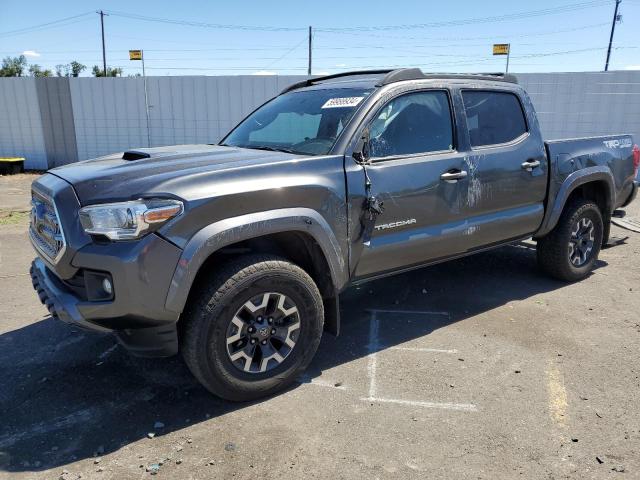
x=72 y=69
x=36 y=70
x=111 y=72
x=76 y=68
x=13 y=66
x=62 y=70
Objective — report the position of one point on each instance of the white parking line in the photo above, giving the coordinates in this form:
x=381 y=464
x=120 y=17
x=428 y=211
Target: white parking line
x=428 y=350
x=79 y=416
x=467 y=407
x=373 y=347
x=372 y=366
x=84 y=416
x=408 y=312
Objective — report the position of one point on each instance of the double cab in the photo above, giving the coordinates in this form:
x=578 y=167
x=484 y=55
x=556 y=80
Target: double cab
x=236 y=254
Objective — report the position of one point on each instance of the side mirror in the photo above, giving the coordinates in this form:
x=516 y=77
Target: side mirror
x=361 y=152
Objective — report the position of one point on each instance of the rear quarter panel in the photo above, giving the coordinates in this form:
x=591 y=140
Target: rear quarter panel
x=612 y=151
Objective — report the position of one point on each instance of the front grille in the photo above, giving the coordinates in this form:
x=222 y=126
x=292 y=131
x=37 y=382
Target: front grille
x=45 y=230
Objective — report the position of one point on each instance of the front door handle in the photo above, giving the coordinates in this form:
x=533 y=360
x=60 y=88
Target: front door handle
x=453 y=176
x=529 y=165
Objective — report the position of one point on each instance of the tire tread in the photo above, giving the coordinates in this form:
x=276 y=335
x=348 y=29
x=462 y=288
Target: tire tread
x=552 y=249
x=208 y=295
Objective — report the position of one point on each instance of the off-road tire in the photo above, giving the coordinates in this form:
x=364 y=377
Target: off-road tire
x=553 y=250
x=215 y=302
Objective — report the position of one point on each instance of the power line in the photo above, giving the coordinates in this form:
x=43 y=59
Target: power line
x=360 y=31
x=386 y=37
x=490 y=37
x=43 y=26
x=469 y=21
x=359 y=57
x=276 y=60
x=451 y=63
x=189 y=23
x=447 y=23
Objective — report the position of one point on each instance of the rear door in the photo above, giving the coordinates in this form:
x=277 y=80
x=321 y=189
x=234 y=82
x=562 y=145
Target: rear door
x=414 y=163
x=506 y=167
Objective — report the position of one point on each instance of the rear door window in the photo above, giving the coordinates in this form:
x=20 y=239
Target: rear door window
x=493 y=117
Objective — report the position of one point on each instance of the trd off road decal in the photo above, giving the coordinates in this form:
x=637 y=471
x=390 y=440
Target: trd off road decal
x=618 y=143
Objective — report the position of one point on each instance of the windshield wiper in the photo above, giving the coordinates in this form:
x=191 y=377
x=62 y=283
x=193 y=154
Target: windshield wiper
x=268 y=148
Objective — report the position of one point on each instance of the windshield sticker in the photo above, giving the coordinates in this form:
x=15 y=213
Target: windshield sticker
x=342 y=102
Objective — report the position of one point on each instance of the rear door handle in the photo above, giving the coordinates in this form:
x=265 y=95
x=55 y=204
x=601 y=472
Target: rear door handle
x=529 y=165
x=453 y=176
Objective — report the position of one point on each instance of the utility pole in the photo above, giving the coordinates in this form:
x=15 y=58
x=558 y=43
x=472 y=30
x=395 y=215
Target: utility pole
x=310 y=40
x=104 y=55
x=613 y=29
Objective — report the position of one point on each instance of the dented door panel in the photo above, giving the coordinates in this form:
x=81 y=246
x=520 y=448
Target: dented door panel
x=507 y=183
x=423 y=215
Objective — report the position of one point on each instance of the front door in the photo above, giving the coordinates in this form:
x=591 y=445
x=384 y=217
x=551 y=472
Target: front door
x=418 y=174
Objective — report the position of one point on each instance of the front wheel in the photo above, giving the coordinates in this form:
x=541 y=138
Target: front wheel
x=571 y=249
x=253 y=327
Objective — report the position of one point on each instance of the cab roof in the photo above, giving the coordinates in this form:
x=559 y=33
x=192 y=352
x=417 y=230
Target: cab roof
x=380 y=78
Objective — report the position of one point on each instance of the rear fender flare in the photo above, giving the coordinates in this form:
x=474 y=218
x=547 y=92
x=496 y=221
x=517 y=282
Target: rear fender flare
x=573 y=181
x=244 y=227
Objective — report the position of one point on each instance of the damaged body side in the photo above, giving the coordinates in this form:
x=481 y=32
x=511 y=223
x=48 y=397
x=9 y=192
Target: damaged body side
x=340 y=215
x=427 y=220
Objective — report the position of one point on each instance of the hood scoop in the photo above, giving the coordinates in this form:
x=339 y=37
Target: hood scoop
x=135 y=155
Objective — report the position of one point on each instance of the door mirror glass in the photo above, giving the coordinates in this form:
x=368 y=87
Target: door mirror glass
x=361 y=152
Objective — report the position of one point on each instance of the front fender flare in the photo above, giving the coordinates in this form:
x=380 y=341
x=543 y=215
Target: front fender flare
x=244 y=227
x=573 y=181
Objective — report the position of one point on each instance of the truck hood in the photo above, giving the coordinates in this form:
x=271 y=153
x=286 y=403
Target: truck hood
x=111 y=178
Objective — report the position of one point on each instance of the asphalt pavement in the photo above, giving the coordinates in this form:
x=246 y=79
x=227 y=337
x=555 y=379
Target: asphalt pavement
x=479 y=368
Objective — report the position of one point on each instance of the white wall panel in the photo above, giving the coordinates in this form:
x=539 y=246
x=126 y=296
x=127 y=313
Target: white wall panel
x=187 y=110
x=20 y=122
x=109 y=113
x=585 y=104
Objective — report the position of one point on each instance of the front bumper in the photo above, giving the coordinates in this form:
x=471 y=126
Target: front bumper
x=62 y=305
x=141 y=272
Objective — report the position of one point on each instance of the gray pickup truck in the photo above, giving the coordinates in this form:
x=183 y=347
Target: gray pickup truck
x=236 y=253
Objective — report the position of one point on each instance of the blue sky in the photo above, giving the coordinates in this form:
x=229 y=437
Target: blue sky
x=248 y=37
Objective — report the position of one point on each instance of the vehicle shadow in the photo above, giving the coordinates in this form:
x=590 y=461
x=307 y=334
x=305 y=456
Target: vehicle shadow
x=66 y=395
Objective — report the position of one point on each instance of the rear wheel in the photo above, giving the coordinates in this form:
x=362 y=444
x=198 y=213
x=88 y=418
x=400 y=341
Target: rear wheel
x=253 y=327
x=571 y=249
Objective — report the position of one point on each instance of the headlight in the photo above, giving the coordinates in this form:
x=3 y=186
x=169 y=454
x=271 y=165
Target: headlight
x=128 y=220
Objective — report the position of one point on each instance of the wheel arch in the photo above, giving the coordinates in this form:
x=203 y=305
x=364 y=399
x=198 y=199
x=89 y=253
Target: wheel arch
x=301 y=235
x=593 y=183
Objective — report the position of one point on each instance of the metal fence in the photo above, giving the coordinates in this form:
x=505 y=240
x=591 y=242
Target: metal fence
x=54 y=121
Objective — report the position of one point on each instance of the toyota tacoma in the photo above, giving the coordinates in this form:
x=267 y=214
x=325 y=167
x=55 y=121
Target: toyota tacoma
x=236 y=253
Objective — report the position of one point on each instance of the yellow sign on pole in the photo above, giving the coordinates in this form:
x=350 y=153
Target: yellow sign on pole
x=501 y=49
x=135 y=54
